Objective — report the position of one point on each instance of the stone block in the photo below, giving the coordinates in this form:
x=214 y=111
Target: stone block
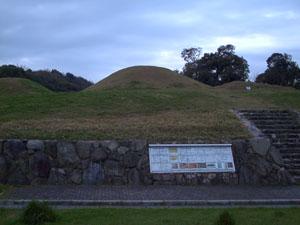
x=14 y=148
x=66 y=155
x=3 y=169
x=133 y=177
x=84 y=148
x=143 y=162
x=113 y=168
x=131 y=159
x=259 y=165
x=35 y=145
x=51 y=148
x=17 y=177
x=98 y=154
x=57 y=176
x=94 y=174
x=39 y=165
x=239 y=151
x=260 y=146
x=76 y=177
x=138 y=145
x=39 y=181
x=276 y=156
x=122 y=150
x=247 y=176
x=85 y=164
x=111 y=145
x=284 y=177
x=1 y=147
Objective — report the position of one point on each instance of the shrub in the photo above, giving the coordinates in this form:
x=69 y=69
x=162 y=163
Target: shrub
x=225 y=218
x=3 y=189
x=297 y=85
x=37 y=213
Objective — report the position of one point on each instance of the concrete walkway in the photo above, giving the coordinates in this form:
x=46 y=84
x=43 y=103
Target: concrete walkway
x=154 y=195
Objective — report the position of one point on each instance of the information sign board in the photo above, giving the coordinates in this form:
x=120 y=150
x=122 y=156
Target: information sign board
x=190 y=158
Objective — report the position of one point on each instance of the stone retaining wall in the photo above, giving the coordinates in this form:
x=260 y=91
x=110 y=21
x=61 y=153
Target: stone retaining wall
x=125 y=162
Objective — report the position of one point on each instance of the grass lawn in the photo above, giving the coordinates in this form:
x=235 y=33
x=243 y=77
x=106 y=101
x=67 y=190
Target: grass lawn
x=133 y=112
x=187 y=216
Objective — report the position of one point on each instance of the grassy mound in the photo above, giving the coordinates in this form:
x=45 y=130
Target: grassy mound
x=146 y=77
x=20 y=86
x=155 y=109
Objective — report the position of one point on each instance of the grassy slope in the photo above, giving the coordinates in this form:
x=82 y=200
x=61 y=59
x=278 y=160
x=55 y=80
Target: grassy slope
x=168 y=114
x=188 y=216
x=20 y=86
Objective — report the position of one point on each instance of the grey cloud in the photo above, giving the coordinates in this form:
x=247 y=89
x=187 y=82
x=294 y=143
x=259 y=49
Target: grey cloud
x=94 y=38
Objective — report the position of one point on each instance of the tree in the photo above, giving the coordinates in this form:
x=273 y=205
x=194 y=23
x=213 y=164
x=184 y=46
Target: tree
x=191 y=55
x=215 y=68
x=54 y=80
x=12 y=71
x=282 y=70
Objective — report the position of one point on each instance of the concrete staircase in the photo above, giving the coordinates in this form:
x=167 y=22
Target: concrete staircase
x=282 y=127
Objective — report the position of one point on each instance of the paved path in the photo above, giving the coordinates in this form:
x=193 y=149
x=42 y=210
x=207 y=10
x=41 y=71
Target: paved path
x=154 y=192
x=143 y=195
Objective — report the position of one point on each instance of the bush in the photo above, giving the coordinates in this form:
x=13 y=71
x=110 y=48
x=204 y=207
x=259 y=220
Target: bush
x=225 y=219
x=3 y=189
x=297 y=85
x=37 y=213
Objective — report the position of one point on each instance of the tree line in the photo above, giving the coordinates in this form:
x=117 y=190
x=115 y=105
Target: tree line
x=225 y=66
x=51 y=79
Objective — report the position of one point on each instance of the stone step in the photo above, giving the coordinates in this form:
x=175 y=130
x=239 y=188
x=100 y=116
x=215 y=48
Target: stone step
x=264 y=111
x=297 y=179
x=258 y=121
x=265 y=117
x=278 y=126
x=289 y=150
x=286 y=145
x=281 y=131
x=292 y=161
x=268 y=122
x=291 y=156
x=285 y=140
x=294 y=171
x=293 y=166
x=283 y=136
x=276 y=116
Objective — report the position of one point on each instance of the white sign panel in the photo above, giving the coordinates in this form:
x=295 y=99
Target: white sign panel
x=190 y=158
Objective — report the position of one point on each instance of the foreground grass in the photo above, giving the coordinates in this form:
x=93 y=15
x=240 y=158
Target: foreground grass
x=155 y=114
x=3 y=190
x=134 y=113
x=187 y=216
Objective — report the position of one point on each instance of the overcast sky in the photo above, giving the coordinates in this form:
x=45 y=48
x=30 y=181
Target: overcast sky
x=95 y=38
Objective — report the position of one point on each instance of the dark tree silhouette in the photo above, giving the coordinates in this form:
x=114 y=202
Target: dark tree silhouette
x=215 y=68
x=191 y=55
x=12 y=71
x=282 y=70
x=53 y=80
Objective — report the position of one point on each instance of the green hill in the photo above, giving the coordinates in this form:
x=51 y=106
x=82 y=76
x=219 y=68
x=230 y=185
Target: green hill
x=53 y=80
x=146 y=77
x=162 y=109
x=20 y=86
